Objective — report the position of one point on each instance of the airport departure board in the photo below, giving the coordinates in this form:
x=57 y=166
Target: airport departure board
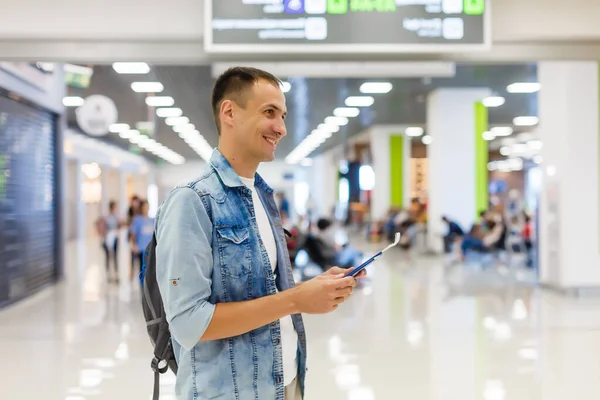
x=346 y=26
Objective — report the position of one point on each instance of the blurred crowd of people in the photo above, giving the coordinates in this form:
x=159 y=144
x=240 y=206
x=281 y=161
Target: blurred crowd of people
x=504 y=226
x=140 y=228
x=495 y=229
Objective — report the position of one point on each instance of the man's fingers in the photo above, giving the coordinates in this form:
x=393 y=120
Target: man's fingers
x=336 y=271
x=350 y=285
x=345 y=282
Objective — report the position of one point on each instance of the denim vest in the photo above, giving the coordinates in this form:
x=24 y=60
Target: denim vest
x=208 y=252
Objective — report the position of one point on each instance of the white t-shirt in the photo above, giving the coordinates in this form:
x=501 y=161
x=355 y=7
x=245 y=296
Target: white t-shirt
x=289 y=337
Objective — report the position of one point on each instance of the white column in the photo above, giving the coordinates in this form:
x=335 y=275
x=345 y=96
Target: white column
x=140 y=184
x=453 y=181
x=323 y=181
x=569 y=234
x=122 y=199
x=110 y=187
x=152 y=192
x=391 y=152
x=80 y=205
x=105 y=182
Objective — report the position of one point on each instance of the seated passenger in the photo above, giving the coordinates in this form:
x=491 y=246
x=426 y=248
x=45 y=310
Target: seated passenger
x=479 y=240
x=454 y=232
x=343 y=256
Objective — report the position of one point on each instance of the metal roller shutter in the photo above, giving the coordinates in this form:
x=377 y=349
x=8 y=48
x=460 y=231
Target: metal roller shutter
x=28 y=225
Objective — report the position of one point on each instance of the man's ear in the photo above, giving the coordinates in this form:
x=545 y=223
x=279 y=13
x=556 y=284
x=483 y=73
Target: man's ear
x=226 y=112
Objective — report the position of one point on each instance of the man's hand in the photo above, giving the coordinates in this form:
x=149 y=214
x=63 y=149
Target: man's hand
x=338 y=270
x=324 y=293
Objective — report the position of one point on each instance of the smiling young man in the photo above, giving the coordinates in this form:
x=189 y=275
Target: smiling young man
x=222 y=263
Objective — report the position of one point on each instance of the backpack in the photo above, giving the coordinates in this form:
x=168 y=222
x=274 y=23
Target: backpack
x=156 y=320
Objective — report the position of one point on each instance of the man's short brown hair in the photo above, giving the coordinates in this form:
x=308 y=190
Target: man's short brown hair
x=233 y=85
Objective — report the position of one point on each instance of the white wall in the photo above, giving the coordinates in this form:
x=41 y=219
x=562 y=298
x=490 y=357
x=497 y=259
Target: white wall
x=512 y=20
x=322 y=178
x=99 y=20
x=570 y=199
x=71 y=200
x=451 y=123
x=171 y=32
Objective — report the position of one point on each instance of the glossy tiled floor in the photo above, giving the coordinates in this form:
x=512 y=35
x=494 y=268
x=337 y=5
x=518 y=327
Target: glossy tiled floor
x=413 y=331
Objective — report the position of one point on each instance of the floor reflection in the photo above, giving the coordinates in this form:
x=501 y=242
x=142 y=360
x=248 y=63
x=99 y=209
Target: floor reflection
x=415 y=329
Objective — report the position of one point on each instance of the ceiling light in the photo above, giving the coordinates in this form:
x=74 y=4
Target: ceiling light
x=329 y=128
x=502 y=130
x=183 y=128
x=148 y=143
x=129 y=134
x=348 y=112
x=160 y=101
x=493 y=101
x=116 y=128
x=427 y=140
x=508 y=141
x=151 y=147
x=376 y=87
x=322 y=133
x=535 y=144
x=171 y=121
x=144 y=125
x=91 y=171
x=538 y=159
x=339 y=121
x=360 y=101
x=523 y=87
x=46 y=66
x=131 y=67
x=136 y=139
x=144 y=139
x=519 y=148
x=515 y=164
x=188 y=134
x=147 y=87
x=505 y=151
x=526 y=137
x=526 y=121
x=487 y=135
x=73 y=101
x=286 y=87
x=414 y=131
x=169 y=112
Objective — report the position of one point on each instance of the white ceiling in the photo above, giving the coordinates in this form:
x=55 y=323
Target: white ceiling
x=171 y=32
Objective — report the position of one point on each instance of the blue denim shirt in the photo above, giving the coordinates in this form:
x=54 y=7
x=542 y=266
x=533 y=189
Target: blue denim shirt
x=208 y=252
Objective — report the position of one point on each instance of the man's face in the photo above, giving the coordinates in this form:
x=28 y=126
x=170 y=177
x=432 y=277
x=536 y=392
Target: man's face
x=260 y=125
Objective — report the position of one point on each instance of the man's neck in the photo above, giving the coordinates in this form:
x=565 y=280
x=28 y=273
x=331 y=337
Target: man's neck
x=240 y=164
